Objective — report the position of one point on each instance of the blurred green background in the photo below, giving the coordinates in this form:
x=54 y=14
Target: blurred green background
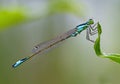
x=25 y=23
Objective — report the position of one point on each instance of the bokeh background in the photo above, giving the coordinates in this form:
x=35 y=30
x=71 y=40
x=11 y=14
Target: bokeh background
x=25 y=23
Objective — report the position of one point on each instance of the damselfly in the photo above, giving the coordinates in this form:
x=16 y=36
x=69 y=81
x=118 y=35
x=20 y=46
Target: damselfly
x=45 y=46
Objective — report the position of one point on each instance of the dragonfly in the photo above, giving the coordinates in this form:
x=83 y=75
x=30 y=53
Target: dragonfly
x=89 y=26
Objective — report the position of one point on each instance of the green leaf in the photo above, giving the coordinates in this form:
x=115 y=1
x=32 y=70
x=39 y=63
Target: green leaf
x=97 y=42
x=10 y=17
x=113 y=56
x=65 y=6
